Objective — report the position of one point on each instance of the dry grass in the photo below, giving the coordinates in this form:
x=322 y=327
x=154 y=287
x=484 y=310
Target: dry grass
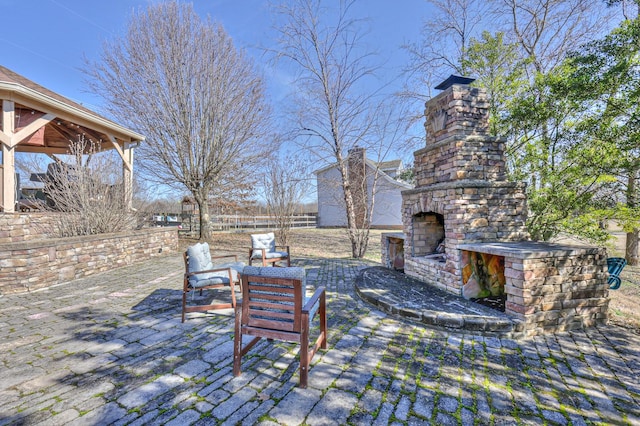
x=624 y=307
x=310 y=242
x=334 y=243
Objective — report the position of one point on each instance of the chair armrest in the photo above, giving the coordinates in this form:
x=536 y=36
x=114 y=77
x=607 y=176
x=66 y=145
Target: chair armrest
x=189 y=274
x=286 y=248
x=235 y=256
x=320 y=292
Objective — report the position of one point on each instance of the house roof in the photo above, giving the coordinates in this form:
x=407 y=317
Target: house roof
x=373 y=165
x=61 y=119
x=390 y=165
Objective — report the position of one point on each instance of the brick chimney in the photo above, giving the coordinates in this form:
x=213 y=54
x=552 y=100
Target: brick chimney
x=357 y=169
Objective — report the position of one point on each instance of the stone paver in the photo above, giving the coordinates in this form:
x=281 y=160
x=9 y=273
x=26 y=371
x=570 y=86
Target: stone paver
x=110 y=349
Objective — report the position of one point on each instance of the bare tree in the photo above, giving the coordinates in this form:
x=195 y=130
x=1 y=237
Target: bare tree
x=441 y=51
x=285 y=185
x=335 y=111
x=86 y=192
x=446 y=36
x=547 y=29
x=199 y=100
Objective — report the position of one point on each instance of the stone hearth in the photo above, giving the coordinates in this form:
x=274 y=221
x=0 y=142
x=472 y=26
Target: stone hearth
x=464 y=226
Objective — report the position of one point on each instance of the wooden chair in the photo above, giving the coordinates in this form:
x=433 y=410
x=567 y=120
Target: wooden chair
x=263 y=247
x=274 y=306
x=202 y=273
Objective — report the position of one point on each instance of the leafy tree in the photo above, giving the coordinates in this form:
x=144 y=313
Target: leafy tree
x=199 y=101
x=561 y=164
x=498 y=68
x=606 y=79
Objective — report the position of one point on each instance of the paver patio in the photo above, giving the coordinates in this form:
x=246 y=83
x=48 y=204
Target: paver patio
x=110 y=349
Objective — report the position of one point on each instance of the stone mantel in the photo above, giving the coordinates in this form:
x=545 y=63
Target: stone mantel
x=529 y=249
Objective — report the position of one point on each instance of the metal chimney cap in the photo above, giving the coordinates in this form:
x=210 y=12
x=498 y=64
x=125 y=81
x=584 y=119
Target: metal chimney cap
x=454 y=79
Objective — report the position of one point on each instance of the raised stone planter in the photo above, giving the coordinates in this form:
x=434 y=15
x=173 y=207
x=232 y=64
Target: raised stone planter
x=33 y=264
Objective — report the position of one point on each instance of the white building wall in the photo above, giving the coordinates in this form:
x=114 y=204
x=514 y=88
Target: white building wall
x=331 y=210
x=387 y=208
x=387 y=205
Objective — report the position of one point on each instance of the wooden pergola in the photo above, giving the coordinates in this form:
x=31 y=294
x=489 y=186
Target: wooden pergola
x=37 y=120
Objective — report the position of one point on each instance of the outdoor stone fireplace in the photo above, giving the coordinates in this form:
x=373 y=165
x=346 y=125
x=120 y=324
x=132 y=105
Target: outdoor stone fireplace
x=464 y=225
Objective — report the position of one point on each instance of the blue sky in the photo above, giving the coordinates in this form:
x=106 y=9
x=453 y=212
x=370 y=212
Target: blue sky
x=45 y=40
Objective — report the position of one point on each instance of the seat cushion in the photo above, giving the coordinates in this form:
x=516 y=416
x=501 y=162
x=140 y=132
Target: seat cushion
x=264 y=241
x=211 y=278
x=270 y=254
x=218 y=277
x=294 y=272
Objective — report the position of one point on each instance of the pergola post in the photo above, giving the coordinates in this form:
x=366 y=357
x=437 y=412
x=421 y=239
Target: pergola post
x=126 y=153
x=8 y=158
x=127 y=174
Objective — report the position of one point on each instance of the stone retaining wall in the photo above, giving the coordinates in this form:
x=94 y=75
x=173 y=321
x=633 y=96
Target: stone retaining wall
x=18 y=227
x=34 y=264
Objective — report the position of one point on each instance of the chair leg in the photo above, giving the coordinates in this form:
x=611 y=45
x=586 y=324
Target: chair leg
x=184 y=304
x=304 y=352
x=323 y=322
x=237 y=342
x=232 y=286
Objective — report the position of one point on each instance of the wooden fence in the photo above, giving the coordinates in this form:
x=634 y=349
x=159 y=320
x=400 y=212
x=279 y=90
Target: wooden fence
x=189 y=224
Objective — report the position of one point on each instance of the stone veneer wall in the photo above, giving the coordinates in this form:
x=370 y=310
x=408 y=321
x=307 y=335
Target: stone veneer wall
x=18 y=227
x=33 y=264
x=550 y=287
x=386 y=239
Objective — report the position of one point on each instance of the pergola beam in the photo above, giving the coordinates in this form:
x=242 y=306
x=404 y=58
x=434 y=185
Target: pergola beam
x=125 y=161
x=31 y=128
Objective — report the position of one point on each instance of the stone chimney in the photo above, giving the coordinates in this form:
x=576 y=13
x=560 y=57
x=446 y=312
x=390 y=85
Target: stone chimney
x=459 y=110
x=458 y=145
